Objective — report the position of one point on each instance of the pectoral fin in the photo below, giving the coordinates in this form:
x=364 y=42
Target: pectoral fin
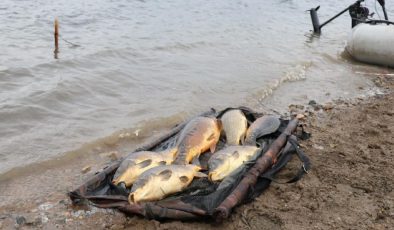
x=213 y=148
x=211 y=137
x=200 y=174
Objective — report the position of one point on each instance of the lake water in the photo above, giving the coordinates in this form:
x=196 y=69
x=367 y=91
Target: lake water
x=148 y=64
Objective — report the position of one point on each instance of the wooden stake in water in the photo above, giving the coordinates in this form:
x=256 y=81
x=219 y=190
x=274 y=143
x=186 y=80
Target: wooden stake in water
x=56 y=38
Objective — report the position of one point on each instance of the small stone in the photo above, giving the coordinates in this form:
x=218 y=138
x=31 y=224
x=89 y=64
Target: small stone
x=116 y=227
x=45 y=206
x=60 y=220
x=137 y=132
x=314 y=105
x=300 y=116
x=319 y=147
x=32 y=219
x=312 y=102
x=86 y=169
x=20 y=220
x=333 y=145
x=113 y=156
x=328 y=106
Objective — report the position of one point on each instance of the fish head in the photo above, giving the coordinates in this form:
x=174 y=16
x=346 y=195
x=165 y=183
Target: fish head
x=215 y=167
x=125 y=177
x=142 y=189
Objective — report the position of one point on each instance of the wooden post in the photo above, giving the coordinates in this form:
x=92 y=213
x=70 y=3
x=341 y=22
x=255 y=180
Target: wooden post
x=56 y=38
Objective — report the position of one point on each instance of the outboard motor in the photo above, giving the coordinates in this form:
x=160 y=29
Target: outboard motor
x=358 y=13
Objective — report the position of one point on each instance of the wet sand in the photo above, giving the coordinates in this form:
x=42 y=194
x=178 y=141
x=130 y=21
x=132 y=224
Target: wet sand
x=350 y=185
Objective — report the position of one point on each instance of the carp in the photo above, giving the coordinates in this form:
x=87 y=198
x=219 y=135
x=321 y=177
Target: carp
x=199 y=135
x=234 y=125
x=260 y=127
x=161 y=181
x=225 y=161
x=137 y=163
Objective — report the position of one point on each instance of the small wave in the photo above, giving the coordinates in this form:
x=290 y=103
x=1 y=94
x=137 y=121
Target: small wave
x=122 y=141
x=298 y=73
x=182 y=46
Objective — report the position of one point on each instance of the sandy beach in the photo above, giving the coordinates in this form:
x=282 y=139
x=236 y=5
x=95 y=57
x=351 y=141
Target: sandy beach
x=350 y=185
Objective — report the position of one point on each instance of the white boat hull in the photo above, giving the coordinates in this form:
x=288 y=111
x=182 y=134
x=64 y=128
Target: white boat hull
x=372 y=44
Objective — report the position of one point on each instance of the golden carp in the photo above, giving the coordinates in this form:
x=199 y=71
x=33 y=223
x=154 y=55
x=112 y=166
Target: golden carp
x=161 y=181
x=234 y=125
x=225 y=161
x=199 y=135
x=262 y=126
x=137 y=163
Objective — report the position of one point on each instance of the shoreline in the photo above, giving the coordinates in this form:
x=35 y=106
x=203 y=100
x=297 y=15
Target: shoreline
x=350 y=183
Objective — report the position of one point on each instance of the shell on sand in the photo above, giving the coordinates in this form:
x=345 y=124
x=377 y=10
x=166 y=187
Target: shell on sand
x=199 y=135
x=225 y=161
x=260 y=127
x=234 y=125
x=137 y=163
x=161 y=181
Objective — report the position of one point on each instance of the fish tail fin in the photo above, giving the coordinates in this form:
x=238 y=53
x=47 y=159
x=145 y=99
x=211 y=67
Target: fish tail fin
x=213 y=147
x=200 y=174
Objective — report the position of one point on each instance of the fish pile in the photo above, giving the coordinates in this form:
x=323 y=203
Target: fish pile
x=153 y=176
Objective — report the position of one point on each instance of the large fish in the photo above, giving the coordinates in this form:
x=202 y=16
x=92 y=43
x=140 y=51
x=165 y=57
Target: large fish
x=225 y=161
x=161 y=181
x=260 y=127
x=234 y=125
x=199 y=135
x=137 y=163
